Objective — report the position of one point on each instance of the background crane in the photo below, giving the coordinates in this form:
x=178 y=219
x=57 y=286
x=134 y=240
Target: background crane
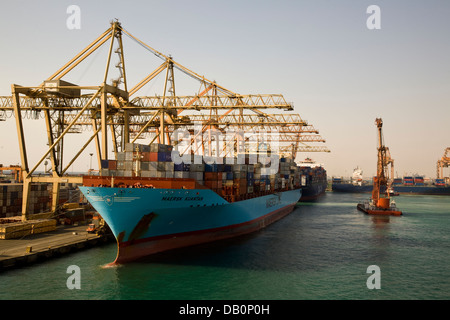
x=442 y=163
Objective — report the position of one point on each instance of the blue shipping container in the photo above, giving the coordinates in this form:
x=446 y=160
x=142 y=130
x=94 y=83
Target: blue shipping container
x=179 y=167
x=164 y=156
x=210 y=167
x=105 y=164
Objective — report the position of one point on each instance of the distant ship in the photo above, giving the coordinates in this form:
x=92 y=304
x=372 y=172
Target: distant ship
x=405 y=185
x=313 y=180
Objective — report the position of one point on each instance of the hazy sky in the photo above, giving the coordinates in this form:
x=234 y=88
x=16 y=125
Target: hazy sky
x=318 y=54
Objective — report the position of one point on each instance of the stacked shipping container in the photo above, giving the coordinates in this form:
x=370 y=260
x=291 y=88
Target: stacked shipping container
x=40 y=199
x=408 y=181
x=232 y=178
x=11 y=195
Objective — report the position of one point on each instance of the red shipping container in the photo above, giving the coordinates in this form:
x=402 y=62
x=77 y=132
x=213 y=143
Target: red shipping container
x=211 y=176
x=212 y=184
x=112 y=164
x=153 y=156
x=145 y=156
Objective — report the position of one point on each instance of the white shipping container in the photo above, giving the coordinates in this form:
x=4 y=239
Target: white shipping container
x=169 y=174
x=303 y=180
x=128 y=156
x=131 y=147
x=193 y=159
x=128 y=165
x=230 y=160
x=120 y=156
x=128 y=173
x=160 y=174
x=169 y=166
x=181 y=174
x=149 y=174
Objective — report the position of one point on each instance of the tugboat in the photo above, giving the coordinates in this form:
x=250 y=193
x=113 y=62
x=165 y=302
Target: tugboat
x=379 y=205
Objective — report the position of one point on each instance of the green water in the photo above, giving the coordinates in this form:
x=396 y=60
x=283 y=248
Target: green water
x=320 y=251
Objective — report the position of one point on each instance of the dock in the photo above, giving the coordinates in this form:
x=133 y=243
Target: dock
x=40 y=247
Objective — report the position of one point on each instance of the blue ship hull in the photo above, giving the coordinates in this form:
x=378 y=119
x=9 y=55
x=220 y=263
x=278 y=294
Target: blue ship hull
x=146 y=221
x=313 y=191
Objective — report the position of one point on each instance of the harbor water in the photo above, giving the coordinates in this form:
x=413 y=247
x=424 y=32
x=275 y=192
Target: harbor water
x=322 y=250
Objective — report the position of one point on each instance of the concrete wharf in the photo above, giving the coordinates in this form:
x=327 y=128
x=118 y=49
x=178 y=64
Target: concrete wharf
x=43 y=246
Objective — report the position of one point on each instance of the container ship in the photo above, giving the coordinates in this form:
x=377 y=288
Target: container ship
x=153 y=203
x=356 y=185
x=405 y=185
x=313 y=180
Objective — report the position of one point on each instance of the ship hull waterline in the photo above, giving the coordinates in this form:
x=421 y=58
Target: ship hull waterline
x=147 y=221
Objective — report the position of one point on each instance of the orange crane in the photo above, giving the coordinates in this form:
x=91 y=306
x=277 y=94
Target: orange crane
x=16 y=169
x=380 y=205
x=444 y=162
x=381 y=178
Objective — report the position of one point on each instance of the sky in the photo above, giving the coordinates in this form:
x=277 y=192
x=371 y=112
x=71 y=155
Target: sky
x=320 y=55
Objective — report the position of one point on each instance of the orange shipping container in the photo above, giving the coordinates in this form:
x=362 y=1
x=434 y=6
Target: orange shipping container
x=212 y=184
x=112 y=164
x=211 y=176
x=153 y=156
x=145 y=156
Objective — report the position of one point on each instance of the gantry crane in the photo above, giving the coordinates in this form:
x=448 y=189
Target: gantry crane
x=442 y=163
x=16 y=171
x=114 y=107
